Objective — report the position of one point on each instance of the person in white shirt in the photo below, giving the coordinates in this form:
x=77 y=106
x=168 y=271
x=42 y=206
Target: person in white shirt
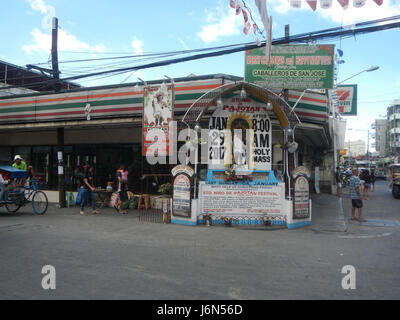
x=3 y=184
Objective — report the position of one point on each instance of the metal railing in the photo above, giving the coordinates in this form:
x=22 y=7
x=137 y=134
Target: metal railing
x=248 y=221
x=153 y=215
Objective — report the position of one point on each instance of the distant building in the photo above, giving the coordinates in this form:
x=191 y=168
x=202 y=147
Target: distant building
x=381 y=145
x=393 y=115
x=355 y=148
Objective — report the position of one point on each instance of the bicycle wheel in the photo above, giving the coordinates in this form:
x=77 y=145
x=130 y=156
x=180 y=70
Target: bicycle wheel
x=39 y=202
x=13 y=207
x=13 y=201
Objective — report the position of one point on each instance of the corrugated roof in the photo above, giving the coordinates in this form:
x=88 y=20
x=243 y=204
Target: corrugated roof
x=18 y=76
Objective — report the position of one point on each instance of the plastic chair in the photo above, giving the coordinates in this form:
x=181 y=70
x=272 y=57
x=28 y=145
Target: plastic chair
x=144 y=201
x=70 y=199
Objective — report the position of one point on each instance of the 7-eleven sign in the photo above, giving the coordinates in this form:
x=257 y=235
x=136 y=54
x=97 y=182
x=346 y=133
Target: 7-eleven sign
x=347 y=98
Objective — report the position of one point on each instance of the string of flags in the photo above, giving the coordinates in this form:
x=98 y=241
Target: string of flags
x=327 y=4
x=251 y=27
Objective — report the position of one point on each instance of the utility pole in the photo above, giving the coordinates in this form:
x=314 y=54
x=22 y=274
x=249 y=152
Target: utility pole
x=289 y=156
x=54 y=53
x=60 y=131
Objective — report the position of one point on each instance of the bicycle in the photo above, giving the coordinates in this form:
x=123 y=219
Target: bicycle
x=17 y=195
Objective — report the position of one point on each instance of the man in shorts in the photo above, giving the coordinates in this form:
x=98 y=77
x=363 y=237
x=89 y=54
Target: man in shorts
x=355 y=196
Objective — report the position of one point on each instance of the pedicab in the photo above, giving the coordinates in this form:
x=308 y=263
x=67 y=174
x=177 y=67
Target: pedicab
x=18 y=193
x=395 y=182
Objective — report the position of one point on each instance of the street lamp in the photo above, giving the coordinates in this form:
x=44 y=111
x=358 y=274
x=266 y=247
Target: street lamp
x=372 y=68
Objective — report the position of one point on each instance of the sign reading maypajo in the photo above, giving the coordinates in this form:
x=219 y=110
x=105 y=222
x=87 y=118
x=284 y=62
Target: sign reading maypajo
x=291 y=67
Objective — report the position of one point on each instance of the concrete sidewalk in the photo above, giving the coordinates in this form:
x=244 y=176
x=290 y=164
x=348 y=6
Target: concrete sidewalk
x=332 y=214
x=114 y=256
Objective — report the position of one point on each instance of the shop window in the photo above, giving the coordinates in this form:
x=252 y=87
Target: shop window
x=41 y=157
x=6 y=156
x=24 y=152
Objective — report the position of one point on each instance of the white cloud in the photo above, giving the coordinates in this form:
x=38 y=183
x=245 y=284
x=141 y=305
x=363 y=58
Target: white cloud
x=39 y=5
x=49 y=11
x=370 y=11
x=42 y=40
x=66 y=42
x=137 y=45
x=222 y=22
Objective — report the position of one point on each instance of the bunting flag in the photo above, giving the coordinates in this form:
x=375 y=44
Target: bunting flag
x=325 y=4
x=344 y=3
x=245 y=16
x=246 y=28
x=238 y=8
x=358 y=3
x=232 y=3
x=295 y=3
x=313 y=4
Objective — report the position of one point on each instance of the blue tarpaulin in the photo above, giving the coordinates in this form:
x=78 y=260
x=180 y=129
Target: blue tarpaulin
x=14 y=173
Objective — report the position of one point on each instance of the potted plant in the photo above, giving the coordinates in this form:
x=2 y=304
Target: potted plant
x=165 y=188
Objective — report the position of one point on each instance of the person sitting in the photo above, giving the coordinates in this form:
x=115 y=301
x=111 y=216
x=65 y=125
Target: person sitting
x=3 y=183
x=19 y=163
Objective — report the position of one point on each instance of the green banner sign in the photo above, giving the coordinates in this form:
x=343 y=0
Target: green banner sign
x=291 y=67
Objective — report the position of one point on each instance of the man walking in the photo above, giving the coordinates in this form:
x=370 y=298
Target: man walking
x=88 y=190
x=355 y=196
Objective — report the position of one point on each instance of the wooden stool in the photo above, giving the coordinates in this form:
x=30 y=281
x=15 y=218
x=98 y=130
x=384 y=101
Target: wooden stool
x=144 y=201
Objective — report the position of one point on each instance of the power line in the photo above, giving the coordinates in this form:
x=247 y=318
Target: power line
x=156 y=54
x=293 y=39
x=326 y=34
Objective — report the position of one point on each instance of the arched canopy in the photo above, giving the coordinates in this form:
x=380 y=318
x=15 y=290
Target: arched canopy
x=280 y=108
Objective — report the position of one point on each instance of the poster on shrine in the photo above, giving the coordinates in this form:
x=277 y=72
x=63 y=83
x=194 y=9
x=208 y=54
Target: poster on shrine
x=240 y=136
x=158 y=105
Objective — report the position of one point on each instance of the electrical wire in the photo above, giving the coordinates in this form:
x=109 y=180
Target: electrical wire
x=325 y=34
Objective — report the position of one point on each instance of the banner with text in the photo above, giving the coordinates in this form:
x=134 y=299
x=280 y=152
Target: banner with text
x=292 y=67
x=240 y=136
x=241 y=199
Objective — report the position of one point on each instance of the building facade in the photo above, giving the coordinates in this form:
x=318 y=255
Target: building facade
x=29 y=124
x=355 y=148
x=381 y=137
x=393 y=116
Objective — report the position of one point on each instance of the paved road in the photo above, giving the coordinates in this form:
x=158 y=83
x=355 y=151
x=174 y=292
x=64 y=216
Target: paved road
x=111 y=256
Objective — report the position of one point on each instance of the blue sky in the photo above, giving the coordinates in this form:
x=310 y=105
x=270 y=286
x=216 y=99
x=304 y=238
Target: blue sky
x=94 y=28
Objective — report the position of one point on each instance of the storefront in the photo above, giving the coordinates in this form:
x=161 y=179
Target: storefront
x=113 y=135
